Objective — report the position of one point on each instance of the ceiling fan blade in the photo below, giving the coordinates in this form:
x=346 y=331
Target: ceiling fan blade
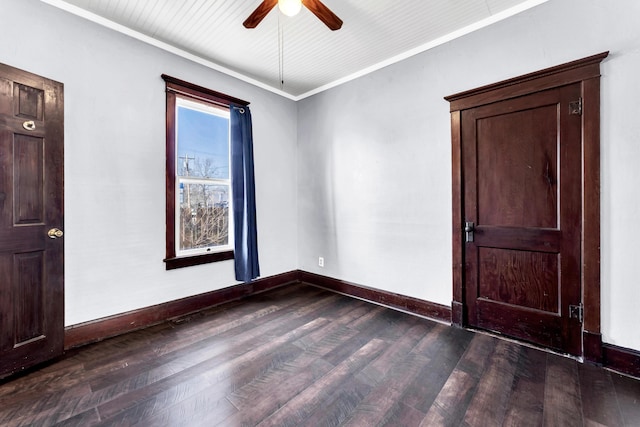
x=258 y=15
x=323 y=13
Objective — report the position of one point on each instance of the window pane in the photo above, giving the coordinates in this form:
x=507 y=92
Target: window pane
x=203 y=143
x=204 y=215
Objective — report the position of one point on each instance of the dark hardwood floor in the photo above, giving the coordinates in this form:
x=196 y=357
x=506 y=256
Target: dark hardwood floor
x=302 y=356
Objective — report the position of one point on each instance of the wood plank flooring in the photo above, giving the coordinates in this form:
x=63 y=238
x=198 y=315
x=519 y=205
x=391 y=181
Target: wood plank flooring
x=303 y=356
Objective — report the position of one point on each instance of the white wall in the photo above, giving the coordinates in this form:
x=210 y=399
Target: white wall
x=368 y=183
x=374 y=155
x=115 y=161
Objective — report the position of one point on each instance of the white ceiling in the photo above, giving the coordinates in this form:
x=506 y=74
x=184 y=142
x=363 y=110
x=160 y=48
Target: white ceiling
x=375 y=33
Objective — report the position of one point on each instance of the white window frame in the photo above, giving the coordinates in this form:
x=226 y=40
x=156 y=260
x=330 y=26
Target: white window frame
x=221 y=112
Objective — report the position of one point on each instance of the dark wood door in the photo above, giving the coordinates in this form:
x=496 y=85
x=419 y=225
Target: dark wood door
x=522 y=192
x=31 y=208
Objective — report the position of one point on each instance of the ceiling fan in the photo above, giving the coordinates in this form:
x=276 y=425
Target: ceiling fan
x=291 y=7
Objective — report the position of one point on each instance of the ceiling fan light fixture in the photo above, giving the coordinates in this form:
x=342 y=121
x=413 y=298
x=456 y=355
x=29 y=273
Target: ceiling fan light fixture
x=290 y=7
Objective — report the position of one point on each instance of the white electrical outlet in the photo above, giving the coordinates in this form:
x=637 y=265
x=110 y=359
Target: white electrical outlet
x=320 y=262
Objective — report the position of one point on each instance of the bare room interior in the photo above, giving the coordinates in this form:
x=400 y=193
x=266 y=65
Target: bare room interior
x=362 y=213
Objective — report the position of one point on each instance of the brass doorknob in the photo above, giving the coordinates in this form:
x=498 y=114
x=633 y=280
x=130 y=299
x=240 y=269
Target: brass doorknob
x=55 y=233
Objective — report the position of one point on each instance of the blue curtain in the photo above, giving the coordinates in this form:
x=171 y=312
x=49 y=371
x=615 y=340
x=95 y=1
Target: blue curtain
x=244 y=195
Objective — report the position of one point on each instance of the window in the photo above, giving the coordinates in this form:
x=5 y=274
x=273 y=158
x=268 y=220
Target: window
x=199 y=225
x=203 y=180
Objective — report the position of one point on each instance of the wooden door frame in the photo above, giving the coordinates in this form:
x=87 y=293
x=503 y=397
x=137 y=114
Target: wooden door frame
x=585 y=71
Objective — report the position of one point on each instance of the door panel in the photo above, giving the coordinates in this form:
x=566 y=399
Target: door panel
x=28 y=167
x=29 y=295
x=29 y=102
x=517 y=157
x=519 y=278
x=31 y=203
x=522 y=190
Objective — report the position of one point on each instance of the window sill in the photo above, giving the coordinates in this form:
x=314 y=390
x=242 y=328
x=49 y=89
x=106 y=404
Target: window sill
x=173 y=263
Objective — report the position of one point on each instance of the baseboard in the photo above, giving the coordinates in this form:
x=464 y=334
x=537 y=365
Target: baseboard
x=624 y=360
x=107 y=327
x=388 y=299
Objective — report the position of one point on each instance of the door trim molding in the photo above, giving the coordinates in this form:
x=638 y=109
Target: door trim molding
x=587 y=72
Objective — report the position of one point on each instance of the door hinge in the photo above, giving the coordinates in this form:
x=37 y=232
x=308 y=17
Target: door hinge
x=576 y=312
x=575 y=107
